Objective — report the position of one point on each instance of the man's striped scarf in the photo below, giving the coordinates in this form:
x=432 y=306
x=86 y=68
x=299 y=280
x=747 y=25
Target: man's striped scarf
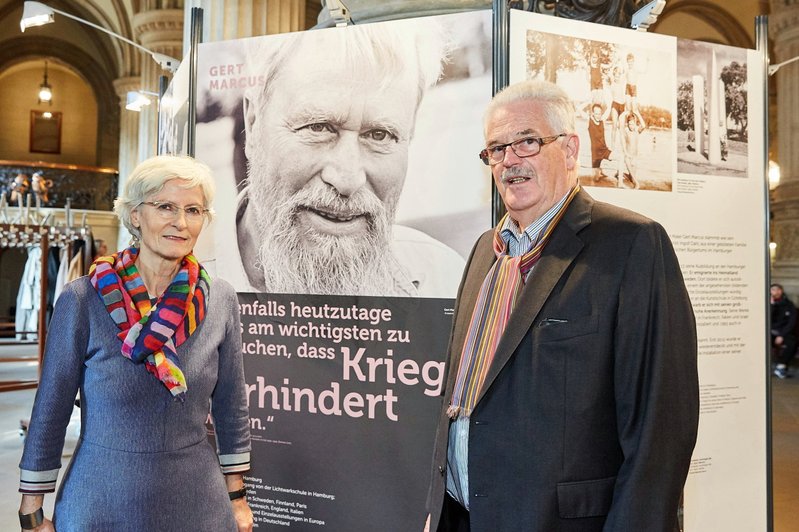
x=492 y=310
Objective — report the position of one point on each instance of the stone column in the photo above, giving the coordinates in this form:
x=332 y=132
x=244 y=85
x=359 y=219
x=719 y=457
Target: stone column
x=161 y=31
x=699 y=113
x=283 y=16
x=128 y=127
x=784 y=30
x=713 y=137
x=128 y=140
x=224 y=19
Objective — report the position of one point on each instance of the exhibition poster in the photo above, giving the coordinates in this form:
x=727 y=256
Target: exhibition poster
x=349 y=194
x=672 y=129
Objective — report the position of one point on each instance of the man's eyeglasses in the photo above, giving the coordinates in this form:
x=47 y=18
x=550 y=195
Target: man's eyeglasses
x=167 y=210
x=526 y=147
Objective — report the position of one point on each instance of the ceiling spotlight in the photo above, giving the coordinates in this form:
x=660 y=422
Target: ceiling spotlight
x=136 y=100
x=38 y=14
x=647 y=15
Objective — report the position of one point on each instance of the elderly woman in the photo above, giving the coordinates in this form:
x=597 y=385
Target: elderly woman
x=151 y=343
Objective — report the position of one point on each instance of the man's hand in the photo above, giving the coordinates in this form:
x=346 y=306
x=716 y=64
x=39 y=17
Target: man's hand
x=243 y=514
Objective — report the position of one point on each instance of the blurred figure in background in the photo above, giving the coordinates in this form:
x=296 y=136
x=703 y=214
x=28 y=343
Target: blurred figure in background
x=783 y=321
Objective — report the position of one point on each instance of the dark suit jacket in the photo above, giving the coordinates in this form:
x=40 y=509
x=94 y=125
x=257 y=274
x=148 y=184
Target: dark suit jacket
x=589 y=413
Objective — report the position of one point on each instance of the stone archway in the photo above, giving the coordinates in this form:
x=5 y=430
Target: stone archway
x=19 y=49
x=715 y=15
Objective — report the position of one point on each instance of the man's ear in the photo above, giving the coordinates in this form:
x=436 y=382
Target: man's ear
x=248 y=109
x=572 y=151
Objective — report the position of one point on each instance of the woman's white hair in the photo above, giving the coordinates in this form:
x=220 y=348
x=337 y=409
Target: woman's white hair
x=150 y=176
x=558 y=107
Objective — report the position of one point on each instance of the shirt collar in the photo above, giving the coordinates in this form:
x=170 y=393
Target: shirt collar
x=510 y=230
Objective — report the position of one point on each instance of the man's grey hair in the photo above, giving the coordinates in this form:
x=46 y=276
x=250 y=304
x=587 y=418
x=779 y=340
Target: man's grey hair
x=150 y=176
x=558 y=107
x=422 y=44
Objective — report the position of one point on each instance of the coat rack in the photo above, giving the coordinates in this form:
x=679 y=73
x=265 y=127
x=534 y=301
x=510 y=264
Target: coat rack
x=30 y=228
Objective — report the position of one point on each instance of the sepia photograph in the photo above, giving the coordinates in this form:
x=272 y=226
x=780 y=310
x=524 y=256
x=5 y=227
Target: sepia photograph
x=624 y=116
x=712 y=110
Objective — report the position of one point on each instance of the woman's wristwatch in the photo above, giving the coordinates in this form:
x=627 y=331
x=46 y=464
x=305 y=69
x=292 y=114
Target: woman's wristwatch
x=238 y=494
x=32 y=520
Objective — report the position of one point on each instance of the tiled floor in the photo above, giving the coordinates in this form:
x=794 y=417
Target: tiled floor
x=785 y=452
x=15 y=406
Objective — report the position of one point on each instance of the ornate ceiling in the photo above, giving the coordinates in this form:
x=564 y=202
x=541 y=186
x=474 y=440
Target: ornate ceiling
x=99 y=59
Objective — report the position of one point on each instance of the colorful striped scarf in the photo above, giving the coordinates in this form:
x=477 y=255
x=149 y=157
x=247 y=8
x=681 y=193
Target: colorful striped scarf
x=152 y=333
x=492 y=310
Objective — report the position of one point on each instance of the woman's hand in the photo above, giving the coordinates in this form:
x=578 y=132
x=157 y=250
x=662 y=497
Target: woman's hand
x=243 y=514
x=31 y=503
x=46 y=526
x=241 y=510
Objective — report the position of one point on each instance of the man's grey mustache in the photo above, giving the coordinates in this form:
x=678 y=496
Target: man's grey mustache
x=326 y=200
x=517 y=171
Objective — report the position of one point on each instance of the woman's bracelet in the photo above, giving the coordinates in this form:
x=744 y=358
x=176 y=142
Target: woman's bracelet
x=238 y=494
x=31 y=520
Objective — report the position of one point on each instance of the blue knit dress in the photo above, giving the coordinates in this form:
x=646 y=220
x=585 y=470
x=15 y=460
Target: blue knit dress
x=143 y=461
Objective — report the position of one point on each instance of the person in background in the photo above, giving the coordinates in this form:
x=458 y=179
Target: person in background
x=150 y=343
x=783 y=321
x=618 y=103
x=572 y=401
x=631 y=90
x=596 y=135
x=19 y=189
x=100 y=247
x=629 y=144
x=41 y=188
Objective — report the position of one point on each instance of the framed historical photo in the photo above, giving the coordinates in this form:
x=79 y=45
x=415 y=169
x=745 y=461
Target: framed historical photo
x=45 y=132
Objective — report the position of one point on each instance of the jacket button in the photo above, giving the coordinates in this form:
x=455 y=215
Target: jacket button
x=441 y=470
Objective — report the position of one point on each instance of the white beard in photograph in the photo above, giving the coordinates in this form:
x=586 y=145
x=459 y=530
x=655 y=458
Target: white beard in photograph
x=296 y=258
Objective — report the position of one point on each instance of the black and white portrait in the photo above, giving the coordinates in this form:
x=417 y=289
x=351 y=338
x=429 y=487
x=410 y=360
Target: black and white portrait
x=310 y=137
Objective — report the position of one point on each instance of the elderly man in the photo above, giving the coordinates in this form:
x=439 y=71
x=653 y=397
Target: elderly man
x=328 y=126
x=572 y=397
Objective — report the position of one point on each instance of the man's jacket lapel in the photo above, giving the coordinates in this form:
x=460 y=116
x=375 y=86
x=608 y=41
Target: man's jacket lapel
x=560 y=251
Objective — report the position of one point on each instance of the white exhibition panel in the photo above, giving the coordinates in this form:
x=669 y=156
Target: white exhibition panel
x=711 y=201
x=343 y=389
